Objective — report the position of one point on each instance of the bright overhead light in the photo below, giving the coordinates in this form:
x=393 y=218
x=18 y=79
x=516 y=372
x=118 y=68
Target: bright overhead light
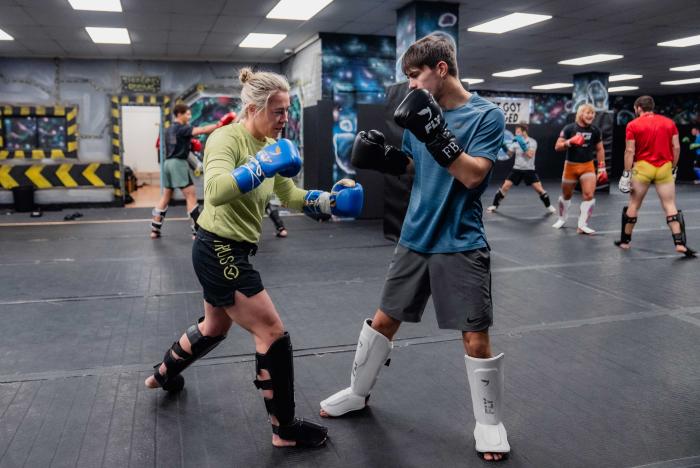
x=590 y=59
x=681 y=82
x=682 y=42
x=618 y=89
x=5 y=37
x=509 y=23
x=472 y=80
x=517 y=72
x=297 y=9
x=262 y=40
x=96 y=5
x=695 y=67
x=554 y=86
x=109 y=35
x=623 y=77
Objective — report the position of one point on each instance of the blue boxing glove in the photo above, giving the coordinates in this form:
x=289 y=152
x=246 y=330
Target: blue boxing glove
x=278 y=158
x=520 y=140
x=345 y=199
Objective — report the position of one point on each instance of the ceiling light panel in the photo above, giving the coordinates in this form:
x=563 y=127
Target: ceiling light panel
x=96 y=5
x=5 y=37
x=509 y=23
x=472 y=80
x=597 y=58
x=517 y=72
x=297 y=9
x=682 y=42
x=109 y=35
x=619 y=89
x=686 y=68
x=554 y=86
x=262 y=40
x=681 y=82
x=623 y=77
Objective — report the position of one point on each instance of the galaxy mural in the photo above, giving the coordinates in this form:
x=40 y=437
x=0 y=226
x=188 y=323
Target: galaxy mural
x=355 y=70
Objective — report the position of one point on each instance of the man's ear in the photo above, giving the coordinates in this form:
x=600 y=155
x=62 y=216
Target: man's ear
x=443 y=69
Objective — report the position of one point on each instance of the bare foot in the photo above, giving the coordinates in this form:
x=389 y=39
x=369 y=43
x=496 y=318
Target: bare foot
x=622 y=245
x=277 y=441
x=282 y=233
x=493 y=456
x=323 y=413
x=155 y=235
x=151 y=381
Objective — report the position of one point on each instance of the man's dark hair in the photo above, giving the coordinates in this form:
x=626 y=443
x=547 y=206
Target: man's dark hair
x=429 y=51
x=180 y=108
x=523 y=127
x=645 y=102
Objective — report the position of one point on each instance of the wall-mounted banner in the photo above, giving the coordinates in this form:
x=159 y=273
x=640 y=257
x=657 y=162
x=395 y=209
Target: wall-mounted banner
x=517 y=110
x=140 y=84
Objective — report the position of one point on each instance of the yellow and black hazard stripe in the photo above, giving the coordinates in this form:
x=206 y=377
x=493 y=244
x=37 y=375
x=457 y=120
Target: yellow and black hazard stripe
x=43 y=176
x=69 y=112
x=116 y=101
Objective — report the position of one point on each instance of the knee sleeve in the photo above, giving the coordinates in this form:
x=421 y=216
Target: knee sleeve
x=177 y=359
x=157 y=225
x=545 y=199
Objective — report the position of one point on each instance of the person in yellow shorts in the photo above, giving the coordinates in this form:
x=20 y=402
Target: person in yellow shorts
x=652 y=149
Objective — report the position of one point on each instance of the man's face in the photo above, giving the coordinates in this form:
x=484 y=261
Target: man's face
x=185 y=117
x=694 y=132
x=518 y=131
x=425 y=78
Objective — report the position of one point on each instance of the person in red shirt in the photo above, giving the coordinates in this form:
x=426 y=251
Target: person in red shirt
x=652 y=149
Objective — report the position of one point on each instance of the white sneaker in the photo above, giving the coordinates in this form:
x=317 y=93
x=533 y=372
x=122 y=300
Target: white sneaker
x=585 y=230
x=560 y=222
x=491 y=208
x=551 y=209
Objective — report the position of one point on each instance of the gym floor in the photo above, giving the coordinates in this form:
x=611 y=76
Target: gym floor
x=602 y=345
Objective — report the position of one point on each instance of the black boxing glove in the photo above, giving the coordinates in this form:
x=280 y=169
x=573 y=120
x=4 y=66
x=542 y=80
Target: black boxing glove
x=370 y=152
x=421 y=115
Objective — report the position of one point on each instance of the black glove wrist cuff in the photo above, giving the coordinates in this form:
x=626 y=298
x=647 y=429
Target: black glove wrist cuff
x=445 y=149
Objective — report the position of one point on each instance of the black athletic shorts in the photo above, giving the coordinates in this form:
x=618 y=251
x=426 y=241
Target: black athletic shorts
x=516 y=175
x=222 y=268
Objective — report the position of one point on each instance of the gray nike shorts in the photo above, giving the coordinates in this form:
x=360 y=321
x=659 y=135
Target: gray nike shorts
x=460 y=284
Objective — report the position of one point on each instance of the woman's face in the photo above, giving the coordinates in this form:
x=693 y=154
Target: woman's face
x=587 y=117
x=270 y=121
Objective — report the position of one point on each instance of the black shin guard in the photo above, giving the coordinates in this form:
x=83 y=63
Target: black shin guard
x=498 y=197
x=278 y=362
x=194 y=216
x=275 y=217
x=679 y=238
x=624 y=237
x=545 y=199
x=200 y=345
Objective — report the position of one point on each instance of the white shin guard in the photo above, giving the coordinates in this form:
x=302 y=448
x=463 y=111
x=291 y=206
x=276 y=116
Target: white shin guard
x=562 y=211
x=586 y=211
x=372 y=352
x=486 y=385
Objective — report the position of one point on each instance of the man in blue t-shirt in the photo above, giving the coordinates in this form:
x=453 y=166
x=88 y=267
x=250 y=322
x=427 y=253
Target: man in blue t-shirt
x=451 y=141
